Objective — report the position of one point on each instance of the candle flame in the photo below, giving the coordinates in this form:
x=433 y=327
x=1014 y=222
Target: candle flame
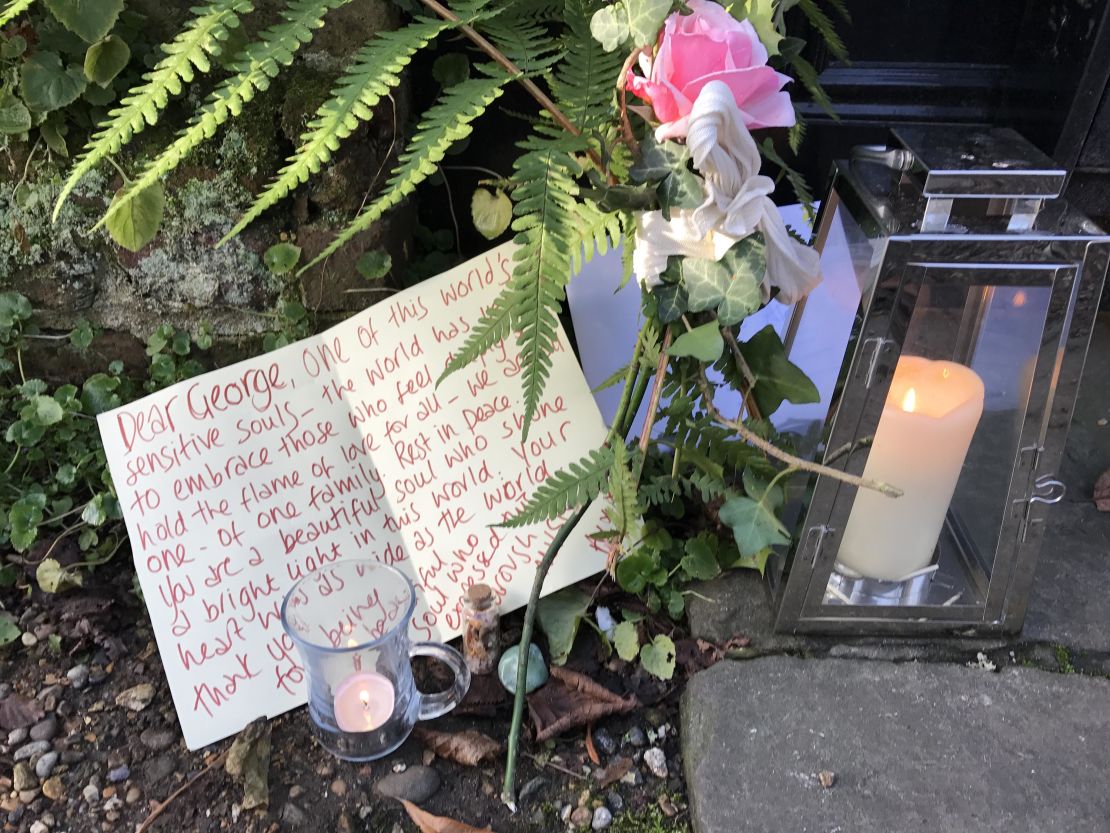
x=1020 y=298
x=351 y=643
x=364 y=696
x=945 y=373
x=909 y=401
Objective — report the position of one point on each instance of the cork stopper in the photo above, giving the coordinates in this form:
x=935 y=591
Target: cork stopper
x=480 y=596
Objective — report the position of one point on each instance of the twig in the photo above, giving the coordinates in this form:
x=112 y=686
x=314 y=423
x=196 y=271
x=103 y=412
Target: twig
x=502 y=60
x=626 y=126
x=451 y=210
x=656 y=392
x=773 y=451
x=157 y=811
x=561 y=769
x=745 y=371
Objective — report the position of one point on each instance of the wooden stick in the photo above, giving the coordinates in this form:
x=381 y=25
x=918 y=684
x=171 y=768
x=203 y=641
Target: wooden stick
x=656 y=392
x=745 y=371
x=773 y=451
x=157 y=811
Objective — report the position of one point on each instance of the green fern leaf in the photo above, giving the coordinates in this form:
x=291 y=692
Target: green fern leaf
x=253 y=69
x=446 y=122
x=493 y=327
x=568 y=488
x=185 y=55
x=584 y=83
x=374 y=72
x=820 y=21
x=624 y=508
x=13 y=10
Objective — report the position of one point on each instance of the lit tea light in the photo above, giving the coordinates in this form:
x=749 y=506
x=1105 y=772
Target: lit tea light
x=930 y=416
x=363 y=702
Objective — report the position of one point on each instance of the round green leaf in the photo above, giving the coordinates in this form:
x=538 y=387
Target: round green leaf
x=700 y=560
x=47 y=85
x=609 y=26
x=626 y=641
x=374 y=265
x=136 y=223
x=658 y=657
x=450 y=69
x=281 y=258
x=703 y=343
x=90 y=19
x=24 y=518
x=14 y=115
x=104 y=59
x=9 y=630
x=13 y=47
x=491 y=211
x=53 y=578
x=43 y=410
x=98 y=394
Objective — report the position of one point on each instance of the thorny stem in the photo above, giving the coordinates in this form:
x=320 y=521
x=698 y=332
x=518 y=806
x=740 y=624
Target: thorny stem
x=791 y=460
x=626 y=412
x=502 y=60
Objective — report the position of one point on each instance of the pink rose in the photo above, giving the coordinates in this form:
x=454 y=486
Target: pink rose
x=710 y=45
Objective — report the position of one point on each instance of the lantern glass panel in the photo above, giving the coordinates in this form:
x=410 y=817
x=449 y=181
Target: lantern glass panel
x=950 y=414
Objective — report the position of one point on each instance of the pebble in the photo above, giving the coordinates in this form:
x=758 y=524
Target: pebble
x=53 y=788
x=91 y=793
x=136 y=698
x=416 y=784
x=120 y=773
x=296 y=791
x=97 y=676
x=635 y=736
x=604 y=741
x=510 y=661
x=602 y=818
x=580 y=817
x=400 y=766
x=564 y=813
x=17 y=736
x=293 y=814
x=78 y=676
x=31 y=750
x=29 y=640
x=614 y=801
x=23 y=778
x=133 y=795
x=338 y=787
x=656 y=761
x=633 y=778
x=157 y=739
x=531 y=788
x=46 y=729
x=39 y=826
x=27 y=796
x=46 y=764
x=157 y=769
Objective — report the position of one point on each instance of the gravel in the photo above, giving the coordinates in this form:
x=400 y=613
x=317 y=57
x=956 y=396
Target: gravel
x=17 y=736
x=46 y=764
x=120 y=773
x=157 y=739
x=78 y=676
x=636 y=737
x=46 y=729
x=656 y=761
x=31 y=750
x=602 y=818
x=416 y=784
x=604 y=741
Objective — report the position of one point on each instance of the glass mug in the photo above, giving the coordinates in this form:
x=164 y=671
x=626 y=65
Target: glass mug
x=350 y=622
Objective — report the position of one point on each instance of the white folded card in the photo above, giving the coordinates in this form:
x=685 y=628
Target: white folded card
x=236 y=483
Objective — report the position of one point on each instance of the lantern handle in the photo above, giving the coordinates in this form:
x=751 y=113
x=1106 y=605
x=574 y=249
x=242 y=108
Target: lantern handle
x=1047 y=489
x=897 y=159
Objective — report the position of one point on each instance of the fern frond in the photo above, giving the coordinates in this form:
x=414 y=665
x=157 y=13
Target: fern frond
x=820 y=21
x=568 y=488
x=186 y=55
x=584 y=83
x=376 y=70
x=254 y=67
x=446 y=122
x=526 y=43
x=624 y=508
x=807 y=74
x=494 y=326
x=13 y=10
x=797 y=181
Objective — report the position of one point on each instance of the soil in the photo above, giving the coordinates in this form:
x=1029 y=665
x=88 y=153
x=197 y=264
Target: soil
x=115 y=766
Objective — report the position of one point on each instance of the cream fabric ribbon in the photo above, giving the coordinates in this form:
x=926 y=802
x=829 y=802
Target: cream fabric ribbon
x=736 y=205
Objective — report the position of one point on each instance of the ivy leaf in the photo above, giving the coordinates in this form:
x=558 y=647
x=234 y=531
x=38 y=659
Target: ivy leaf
x=559 y=616
x=136 y=223
x=658 y=657
x=658 y=159
x=105 y=59
x=90 y=19
x=24 y=518
x=761 y=13
x=754 y=525
x=703 y=343
x=491 y=212
x=47 y=85
x=374 y=265
x=777 y=378
x=609 y=26
x=645 y=19
x=681 y=188
x=700 y=560
x=451 y=69
x=14 y=115
x=671 y=302
x=705 y=281
x=281 y=258
x=745 y=263
x=627 y=641
x=53 y=578
x=9 y=630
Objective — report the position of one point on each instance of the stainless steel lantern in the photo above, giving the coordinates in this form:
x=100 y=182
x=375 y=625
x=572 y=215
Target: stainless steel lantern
x=958 y=299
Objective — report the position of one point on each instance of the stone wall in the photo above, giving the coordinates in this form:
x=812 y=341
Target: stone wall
x=70 y=273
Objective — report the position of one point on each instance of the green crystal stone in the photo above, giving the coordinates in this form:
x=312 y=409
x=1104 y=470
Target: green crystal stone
x=507 y=667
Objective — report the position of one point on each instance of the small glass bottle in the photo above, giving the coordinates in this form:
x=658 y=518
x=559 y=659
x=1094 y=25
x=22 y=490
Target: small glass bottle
x=482 y=636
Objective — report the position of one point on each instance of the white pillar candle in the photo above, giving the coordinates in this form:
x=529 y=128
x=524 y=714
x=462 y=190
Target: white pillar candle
x=929 y=418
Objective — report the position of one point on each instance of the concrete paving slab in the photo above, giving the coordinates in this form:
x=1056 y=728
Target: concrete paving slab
x=942 y=748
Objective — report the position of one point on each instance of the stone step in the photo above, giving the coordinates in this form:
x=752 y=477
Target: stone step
x=913 y=746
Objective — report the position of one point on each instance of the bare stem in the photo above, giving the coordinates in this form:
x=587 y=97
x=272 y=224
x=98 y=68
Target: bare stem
x=745 y=371
x=656 y=392
x=773 y=451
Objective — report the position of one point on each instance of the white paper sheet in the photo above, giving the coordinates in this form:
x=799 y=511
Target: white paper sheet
x=236 y=483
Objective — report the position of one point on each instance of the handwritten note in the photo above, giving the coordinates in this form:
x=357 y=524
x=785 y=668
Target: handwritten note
x=237 y=483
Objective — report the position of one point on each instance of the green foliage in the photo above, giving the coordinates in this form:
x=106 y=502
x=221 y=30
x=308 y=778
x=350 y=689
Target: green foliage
x=626 y=641
x=624 y=505
x=491 y=212
x=105 y=59
x=658 y=657
x=281 y=258
x=777 y=378
x=703 y=343
x=187 y=54
x=559 y=616
x=252 y=70
x=46 y=84
x=90 y=20
x=136 y=224
x=446 y=122
x=13 y=9
x=568 y=488
x=374 y=265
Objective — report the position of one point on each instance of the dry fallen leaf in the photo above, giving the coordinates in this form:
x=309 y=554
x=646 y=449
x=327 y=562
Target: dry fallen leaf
x=1102 y=492
x=826 y=779
x=18 y=712
x=468 y=748
x=571 y=699
x=438 y=824
x=485 y=695
x=249 y=759
x=617 y=769
x=591 y=750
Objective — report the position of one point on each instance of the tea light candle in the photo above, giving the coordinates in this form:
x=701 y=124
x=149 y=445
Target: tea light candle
x=363 y=702
x=930 y=415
